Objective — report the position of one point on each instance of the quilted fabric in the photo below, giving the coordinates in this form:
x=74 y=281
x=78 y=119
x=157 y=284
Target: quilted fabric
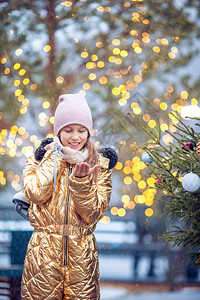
x=61 y=260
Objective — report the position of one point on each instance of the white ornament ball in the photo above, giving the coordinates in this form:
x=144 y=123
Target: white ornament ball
x=146 y=158
x=191 y=182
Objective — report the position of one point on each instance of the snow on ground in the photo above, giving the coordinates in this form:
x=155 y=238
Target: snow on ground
x=113 y=293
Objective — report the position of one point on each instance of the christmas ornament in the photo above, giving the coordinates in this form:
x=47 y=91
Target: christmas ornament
x=198 y=147
x=188 y=145
x=146 y=158
x=191 y=182
x=159 y=181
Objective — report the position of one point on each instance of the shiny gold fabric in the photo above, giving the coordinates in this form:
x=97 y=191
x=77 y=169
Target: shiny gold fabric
x=63 y=218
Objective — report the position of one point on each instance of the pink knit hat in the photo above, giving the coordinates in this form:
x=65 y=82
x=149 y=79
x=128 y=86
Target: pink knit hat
x=72 y=109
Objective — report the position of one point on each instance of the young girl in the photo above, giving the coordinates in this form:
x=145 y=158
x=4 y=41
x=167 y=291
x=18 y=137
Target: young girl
x=68 y=186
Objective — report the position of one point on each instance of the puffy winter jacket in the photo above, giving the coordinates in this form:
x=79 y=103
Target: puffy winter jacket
x=61 y=260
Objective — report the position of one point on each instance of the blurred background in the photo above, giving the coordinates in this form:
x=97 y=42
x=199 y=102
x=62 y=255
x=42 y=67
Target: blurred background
x=124 y=56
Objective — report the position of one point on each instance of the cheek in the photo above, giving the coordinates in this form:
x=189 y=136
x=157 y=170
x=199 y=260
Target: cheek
x=85 y=137
x=64 y=137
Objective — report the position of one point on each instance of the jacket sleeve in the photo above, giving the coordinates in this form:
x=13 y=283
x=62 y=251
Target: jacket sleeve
x=91 y=200
x=38 y=177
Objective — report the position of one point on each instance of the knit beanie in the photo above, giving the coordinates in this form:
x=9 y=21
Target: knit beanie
x=72 y=109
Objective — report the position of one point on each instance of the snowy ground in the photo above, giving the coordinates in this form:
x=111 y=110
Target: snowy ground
x=113 y=293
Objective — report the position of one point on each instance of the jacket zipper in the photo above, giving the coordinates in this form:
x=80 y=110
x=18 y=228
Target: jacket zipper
x=66 y=217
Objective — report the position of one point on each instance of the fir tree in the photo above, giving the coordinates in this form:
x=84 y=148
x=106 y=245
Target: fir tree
x=169 y=166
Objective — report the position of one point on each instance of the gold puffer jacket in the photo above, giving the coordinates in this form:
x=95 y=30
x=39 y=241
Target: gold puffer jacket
x=61 y=260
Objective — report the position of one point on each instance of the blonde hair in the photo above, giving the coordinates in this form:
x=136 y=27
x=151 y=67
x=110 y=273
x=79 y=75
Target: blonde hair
x=92 y=158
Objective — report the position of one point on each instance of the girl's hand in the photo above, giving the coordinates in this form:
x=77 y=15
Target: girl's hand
x=50 y=146
x=83 y=169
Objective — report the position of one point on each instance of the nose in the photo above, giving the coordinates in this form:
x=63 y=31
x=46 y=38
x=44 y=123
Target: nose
x=75 y=136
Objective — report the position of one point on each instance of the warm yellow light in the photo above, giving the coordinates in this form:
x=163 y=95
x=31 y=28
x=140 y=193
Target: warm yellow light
x=138 y=50
x=4 y=60
x=51 y=120
x=33 y=138
x=14 y=128
x=90 y=65
x=142 y=184
x=164 y=127
x=167 y=139
x=116 y=42
x=184 y=95
x=59 y=79
x=118 y=61
x=100 y=8
x=46 y=104
x=152 y=123
x=17 y=66
x=116 y=91
x=137 y=110
x=25 y=101
x=7 y=71
x=22 y=72
x=26 y=81
x=146 y=40
x=119 y=165
x=33 y=86
x=42 y=123
x=18 y=52
x=103 y=80
x=116 y=51
x=42 y=116
x=131 y=205
x=125 y=198
x=138 y=78
x=47 y=48
x=121 y=212
x=84 y=54
x=86 y=86
x=18 y=92
x=111 y=59
x=156 y=49
x=134 y=33
x=194 y=101
x=164 y=42
x=124 y=53
x=163 y=105
x=2 y=151
x=92 y=76
x=66 y=3
x=174 y=49
x=94 y=57
x=137 y=177
x=150 y=181
x=23 y=110
x=127 y=170
x=3 y=181
x=127 y=180
x=122 y=102
x=16 y=82
x=171 y=55
x=21 y=130
x=146 y=117
x=149 y=212
x=100 y=64
x=12 y=153
x=99 y=44
x=170 y=89
x=149 y=201
x=141 y=199
x=114 y=211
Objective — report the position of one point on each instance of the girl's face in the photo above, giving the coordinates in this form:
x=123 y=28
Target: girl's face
x=74 y=136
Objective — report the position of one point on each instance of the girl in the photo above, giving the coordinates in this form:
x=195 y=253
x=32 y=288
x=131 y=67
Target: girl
x=68 y=186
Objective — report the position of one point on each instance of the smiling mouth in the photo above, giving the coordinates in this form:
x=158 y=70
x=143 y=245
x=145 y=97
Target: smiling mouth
x=74 y=144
